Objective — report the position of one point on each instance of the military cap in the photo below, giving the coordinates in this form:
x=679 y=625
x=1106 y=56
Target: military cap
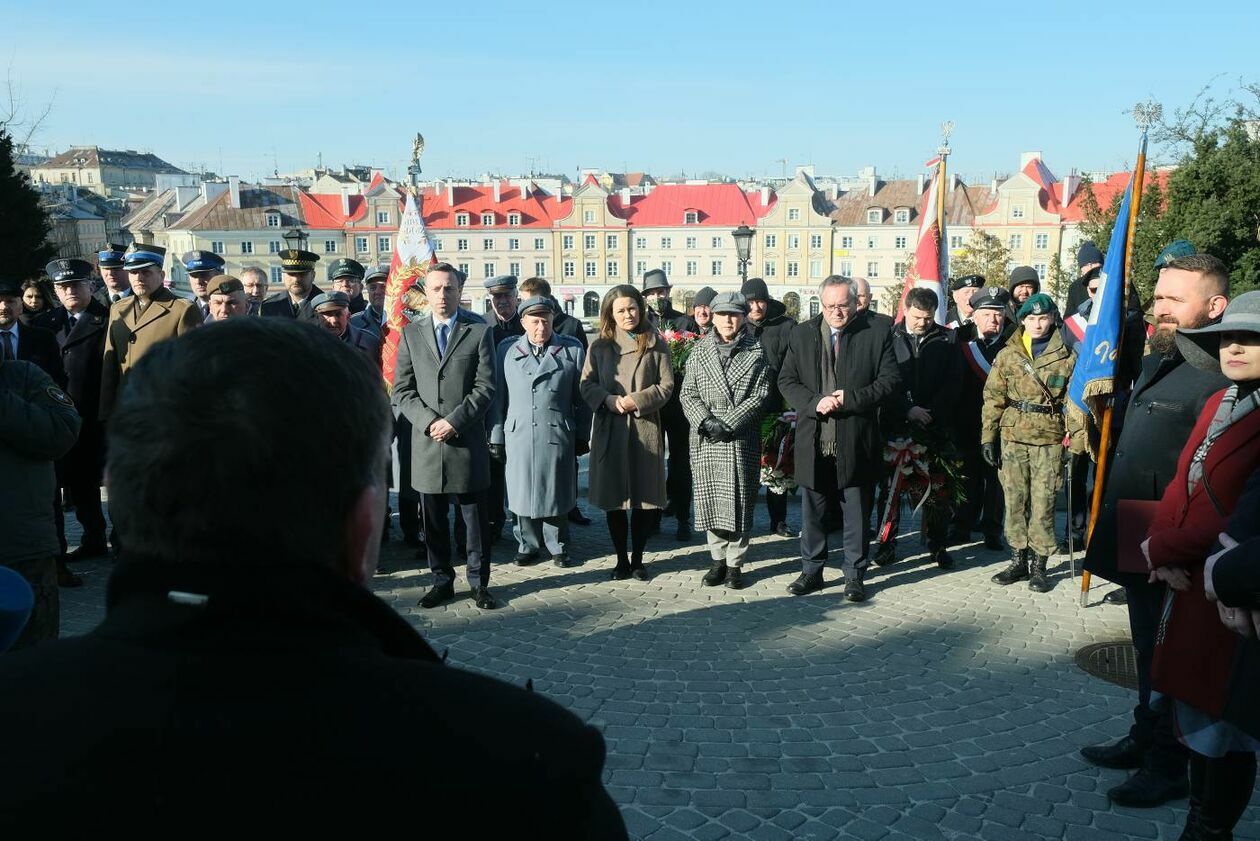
x=380 y=273
x=326 y=301
x=501 y=283
x=655 y=279
x=755 y=289
x=1173 y=250
x=1088 y=253
x=345 y=267
x=704 y=297
x=224 y=284
x=297 y=261
x=17 y=600
x=141 y=255
x=730 y=302
x=111 y=257
x=967 y=281
x=202 y=262
x=68 y=271
x=991 y=298
x=1024 y=274
x=537 y=305
x=1039 y=304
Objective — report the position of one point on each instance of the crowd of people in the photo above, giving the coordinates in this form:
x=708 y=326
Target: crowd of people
x=491 y=417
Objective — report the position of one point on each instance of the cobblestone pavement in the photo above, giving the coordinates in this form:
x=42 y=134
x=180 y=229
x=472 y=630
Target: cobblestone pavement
x=945 y=707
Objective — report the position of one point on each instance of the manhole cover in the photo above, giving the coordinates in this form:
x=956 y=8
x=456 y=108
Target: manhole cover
x=1114 y=662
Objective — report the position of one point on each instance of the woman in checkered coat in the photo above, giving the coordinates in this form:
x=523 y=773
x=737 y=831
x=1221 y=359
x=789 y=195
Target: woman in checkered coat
x=723 y=395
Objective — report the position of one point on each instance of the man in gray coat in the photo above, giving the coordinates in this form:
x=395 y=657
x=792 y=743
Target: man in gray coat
x=540 y=422
x=444 y=385
x=38 y=424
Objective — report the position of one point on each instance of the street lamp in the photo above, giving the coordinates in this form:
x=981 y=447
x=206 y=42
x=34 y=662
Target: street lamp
x=743 y=248
x=295 y=239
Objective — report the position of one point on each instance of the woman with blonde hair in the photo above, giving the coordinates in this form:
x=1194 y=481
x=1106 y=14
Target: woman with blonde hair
x=627 y=379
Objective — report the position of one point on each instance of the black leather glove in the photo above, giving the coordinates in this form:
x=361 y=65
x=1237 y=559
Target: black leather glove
x=725 y=433
x=498 y=453
x=710 y=427
x=992 y=457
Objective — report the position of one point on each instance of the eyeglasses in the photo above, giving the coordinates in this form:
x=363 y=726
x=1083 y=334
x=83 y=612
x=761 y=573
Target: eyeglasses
x=836 y=307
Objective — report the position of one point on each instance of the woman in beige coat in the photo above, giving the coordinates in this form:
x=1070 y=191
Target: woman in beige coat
x=626 y=381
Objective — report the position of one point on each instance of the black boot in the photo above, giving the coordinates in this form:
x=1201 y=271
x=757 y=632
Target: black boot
x=684 y=528
x=1017 y=570
x=637 y=570
x=622 y=570
x=716 y=574
x=1037 y=574
x=734 y=579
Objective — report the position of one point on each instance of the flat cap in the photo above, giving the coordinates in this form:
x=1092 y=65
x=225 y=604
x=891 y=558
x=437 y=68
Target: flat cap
x=500 y=283
x=730 y=302
x=327 y=301
x=537 y=305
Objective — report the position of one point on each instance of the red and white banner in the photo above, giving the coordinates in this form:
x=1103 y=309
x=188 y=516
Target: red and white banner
x=413 y=254
x=929 y=257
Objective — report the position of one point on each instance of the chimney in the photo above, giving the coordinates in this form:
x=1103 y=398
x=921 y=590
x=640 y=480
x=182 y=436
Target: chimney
x=625 y=196
x=919 y=189
x=450 y=194
x=765 y=196
x=1071 y=184
x=833 y=192
x=234 y=188
x=1025 y=158
x=957 y=182
x=496 y=191
x=524 y=191
x=345 y=202
x=993 y=185
x=872 y=184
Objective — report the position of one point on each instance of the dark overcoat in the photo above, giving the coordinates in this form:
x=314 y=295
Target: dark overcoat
x=82 y=354
x=279 y=306
x=1236 y=579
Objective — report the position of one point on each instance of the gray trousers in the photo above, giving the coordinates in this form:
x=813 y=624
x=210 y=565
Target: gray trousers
x=533 y=534
x=728 y=547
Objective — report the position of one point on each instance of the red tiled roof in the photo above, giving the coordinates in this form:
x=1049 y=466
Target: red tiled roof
x=715 y=204
x=1037 y=170
x=323 y=210
x=1105 y=192
x=537 y=210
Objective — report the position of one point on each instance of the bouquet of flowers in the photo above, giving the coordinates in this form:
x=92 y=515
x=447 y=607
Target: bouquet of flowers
x=680 y=343
x=927 y=469
x=778 y=447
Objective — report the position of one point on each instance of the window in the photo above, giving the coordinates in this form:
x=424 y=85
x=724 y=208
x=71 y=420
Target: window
x=540 y=270
x=667 y=266
x=539 y=243
x=487 y=218
x=770 y=269
x=247 y=247
x=902 y=216
x=640 y=242
x=715 y=268
x=590 y=304
x=461 y=244
x=716 y=242
x=899 y=270
x=640 y=268
x=692 y=243
x=815 y=268
x=1017 y=211
x=899 y=242
x=464 y=269
x=217 y=247
x=461 y=220
x=384 y=244
x=793 y=268
x=955 y=241
x=592 y=268
x=846 y=242
x=361 y=245
x=273 y=220
x=872 y=242
x=874 y=216
x=570 y=268
x=566 y=242
x=514 y=269
x=588 y=217
x=487 y=244
x=514 y=219
x=815 y=307
x=815 y=241
x=1015 y=241
x=692 y=268
x=846 y=268
x=1041 y=270
x=588 y=242
x=610 y=242
x=794 y=214
x=330 y=246
x=1041 y=242
x=382 y=217
x=794 y=242
x=772 y=241
x=273 y=247
x=613 y=268
x=667 y=242
x=514 y=244
x=691 y=217
x=488 y=268
x=276 y=273
x=872 y=269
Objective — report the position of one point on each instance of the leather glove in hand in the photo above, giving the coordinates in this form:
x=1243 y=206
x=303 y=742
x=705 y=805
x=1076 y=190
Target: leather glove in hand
x=991 y=455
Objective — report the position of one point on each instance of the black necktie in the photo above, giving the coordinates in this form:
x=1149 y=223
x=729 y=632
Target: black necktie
x=7 y=352
x=71 y=320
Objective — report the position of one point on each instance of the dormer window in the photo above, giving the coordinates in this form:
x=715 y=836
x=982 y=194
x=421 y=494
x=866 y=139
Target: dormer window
x=273 y=220
x=1017 y=211
x=487 y=218
x=874 y=216
x=691 y=217
x=514 y=219
x=461 y=219
x=902 y=215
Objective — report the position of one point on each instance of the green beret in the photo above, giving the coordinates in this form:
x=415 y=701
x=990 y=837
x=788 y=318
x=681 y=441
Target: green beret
x=1039 y=304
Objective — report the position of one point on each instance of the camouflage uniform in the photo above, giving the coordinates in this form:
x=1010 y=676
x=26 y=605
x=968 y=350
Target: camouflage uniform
x=1031 y=431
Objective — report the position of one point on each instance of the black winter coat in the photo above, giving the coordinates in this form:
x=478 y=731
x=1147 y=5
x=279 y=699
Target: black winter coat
x=82 y=355
x=39 y=346
x=289 y=695
x=279 y=306
x=970 y=392
x=930 y=378
x=1236 y=579
x=868 y=375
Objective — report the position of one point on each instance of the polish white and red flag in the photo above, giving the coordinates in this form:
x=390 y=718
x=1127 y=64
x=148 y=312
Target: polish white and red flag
x=930 y=258
x=413 y=255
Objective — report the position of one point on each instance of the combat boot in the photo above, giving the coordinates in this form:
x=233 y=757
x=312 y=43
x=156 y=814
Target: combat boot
x=1017 y=570
x=1037 y=574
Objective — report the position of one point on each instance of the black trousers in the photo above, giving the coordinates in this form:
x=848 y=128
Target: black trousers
x=471 y=509
x=87 y=510
x=678 y=478
x=496 y=496
x=776 y=504
x=985 y=501
x=854 y=504
x=1152 y=728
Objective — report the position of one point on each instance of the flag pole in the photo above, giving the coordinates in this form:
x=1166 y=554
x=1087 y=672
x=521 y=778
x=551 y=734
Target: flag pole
x=947 y=128
x=1143 y=114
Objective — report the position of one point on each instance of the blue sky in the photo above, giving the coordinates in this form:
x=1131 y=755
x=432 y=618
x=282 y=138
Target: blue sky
x=657 y=86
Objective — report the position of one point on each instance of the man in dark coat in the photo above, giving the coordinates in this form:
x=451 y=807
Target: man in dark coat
x=958 y=318
x=333 y=312
x=297 y=270
x=769 y=324
x=27 y=342
x=79 y=328
x=1088 y=259
x=662 y=315
x=984 y=488
x=838 y=370
x=864 y=304
x=372 y=316
x=346 y=275
x=1167 y=401
x=114 y=285
x=247 y=674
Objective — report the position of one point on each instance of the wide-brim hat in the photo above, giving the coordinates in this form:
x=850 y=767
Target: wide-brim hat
x=655 y=279
x=1201 y=346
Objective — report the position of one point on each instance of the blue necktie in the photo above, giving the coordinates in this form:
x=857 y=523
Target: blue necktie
x=441 y=337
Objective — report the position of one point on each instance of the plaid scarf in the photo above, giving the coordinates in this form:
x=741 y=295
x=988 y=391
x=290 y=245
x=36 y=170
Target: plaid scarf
x=1231 y=411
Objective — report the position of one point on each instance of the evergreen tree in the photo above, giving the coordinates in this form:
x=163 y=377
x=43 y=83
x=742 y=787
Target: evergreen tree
x=23 y=221
x=985 y=255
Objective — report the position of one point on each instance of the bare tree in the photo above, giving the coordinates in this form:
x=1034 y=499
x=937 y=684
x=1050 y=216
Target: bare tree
x=16 y=120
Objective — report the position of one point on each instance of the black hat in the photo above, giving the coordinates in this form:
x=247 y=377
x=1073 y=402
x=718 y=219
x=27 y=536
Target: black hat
x=297 y=261
x=68 y=271
x=224 y=284
x=967 y=281
x=11 y=288
x=1024 y=274
x=202 y=262
x=345 y=267
x=704 y=297
x=991 y=298
x=755 y=289
x=1088 y=253
x=655 y=279
x=140 y=255
x=111 y=257
x=502 y=283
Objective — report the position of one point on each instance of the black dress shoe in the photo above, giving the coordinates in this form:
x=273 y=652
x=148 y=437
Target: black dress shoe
x=783 y=530
x=438 y=595
x=483 y=599
x=994 y=542
x=1117 y=596
x=561 y=561
x=943 y=559
x=524 y=559
x=1124 y=754
x=854 y=591
x=716 y=574
x=639 y=573
x=1146 y=790
x=578 y=518
x=734 y=579
x=620 y=573
x=806 y=583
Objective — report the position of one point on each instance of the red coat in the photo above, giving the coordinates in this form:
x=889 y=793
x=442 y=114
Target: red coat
x=1193 y=650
